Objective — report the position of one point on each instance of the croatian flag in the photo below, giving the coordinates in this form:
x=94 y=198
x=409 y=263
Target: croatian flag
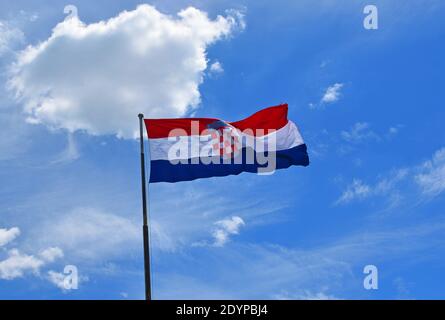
x=192 y=148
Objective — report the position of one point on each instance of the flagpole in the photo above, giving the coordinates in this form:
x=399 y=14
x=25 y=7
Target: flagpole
x=144 y=213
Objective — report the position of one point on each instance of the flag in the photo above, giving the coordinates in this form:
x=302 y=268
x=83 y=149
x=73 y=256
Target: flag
x=186 y=149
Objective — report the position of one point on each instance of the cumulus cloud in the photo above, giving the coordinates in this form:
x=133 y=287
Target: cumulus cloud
x=61 y=281
x=225 y=228
x=57 y=278
x=431 y=179
x=216 y=68
x=97 y=77
x=7 y=236
x=332 y=93
x=16 y=264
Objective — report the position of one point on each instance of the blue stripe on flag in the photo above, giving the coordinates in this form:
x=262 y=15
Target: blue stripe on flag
x=164 y=171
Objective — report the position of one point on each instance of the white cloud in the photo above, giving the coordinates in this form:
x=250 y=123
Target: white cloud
x=169 y=235
x=7 y=236
x=76 y=231
x=51 y=254
x=316 y=296
x=98 y=77
x=357 y=189
x=359 y=132
x=16 y=264
x=57 y=278
x=325 y=271
x=431 y=179
x=28 y=16
x=393 y=130
x=216 y=68
x=70 y=153
x=305 y=295
x=332 y=93
x=16 y=137
x=385 y=186
x=226 y=228
x=9 y=36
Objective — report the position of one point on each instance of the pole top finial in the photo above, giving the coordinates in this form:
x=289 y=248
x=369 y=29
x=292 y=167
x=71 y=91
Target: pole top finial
x=141 y=116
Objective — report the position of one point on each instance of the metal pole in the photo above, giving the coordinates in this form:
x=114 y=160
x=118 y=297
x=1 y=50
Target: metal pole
x=144 y=213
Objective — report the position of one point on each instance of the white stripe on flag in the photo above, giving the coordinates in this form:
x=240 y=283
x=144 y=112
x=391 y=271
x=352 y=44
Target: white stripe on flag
x=286 y=138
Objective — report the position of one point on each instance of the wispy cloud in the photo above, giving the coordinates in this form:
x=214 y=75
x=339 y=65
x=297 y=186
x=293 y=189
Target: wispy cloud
x=428 y=177
x=203 y=205
x=76 y=230
x=272 y=271
x=16 y=137
x=359 y=132
x=385 y=186
x=356 y=190
x=9 y=37
x=70 y=153
x=431 y=178
x=305 y=295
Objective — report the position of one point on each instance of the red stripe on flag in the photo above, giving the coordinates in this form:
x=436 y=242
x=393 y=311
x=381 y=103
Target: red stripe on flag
x=269 y=118
x=272 y=118
x=163 y=128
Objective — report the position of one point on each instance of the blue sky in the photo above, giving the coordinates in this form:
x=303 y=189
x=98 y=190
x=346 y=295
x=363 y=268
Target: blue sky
x=373 y=195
